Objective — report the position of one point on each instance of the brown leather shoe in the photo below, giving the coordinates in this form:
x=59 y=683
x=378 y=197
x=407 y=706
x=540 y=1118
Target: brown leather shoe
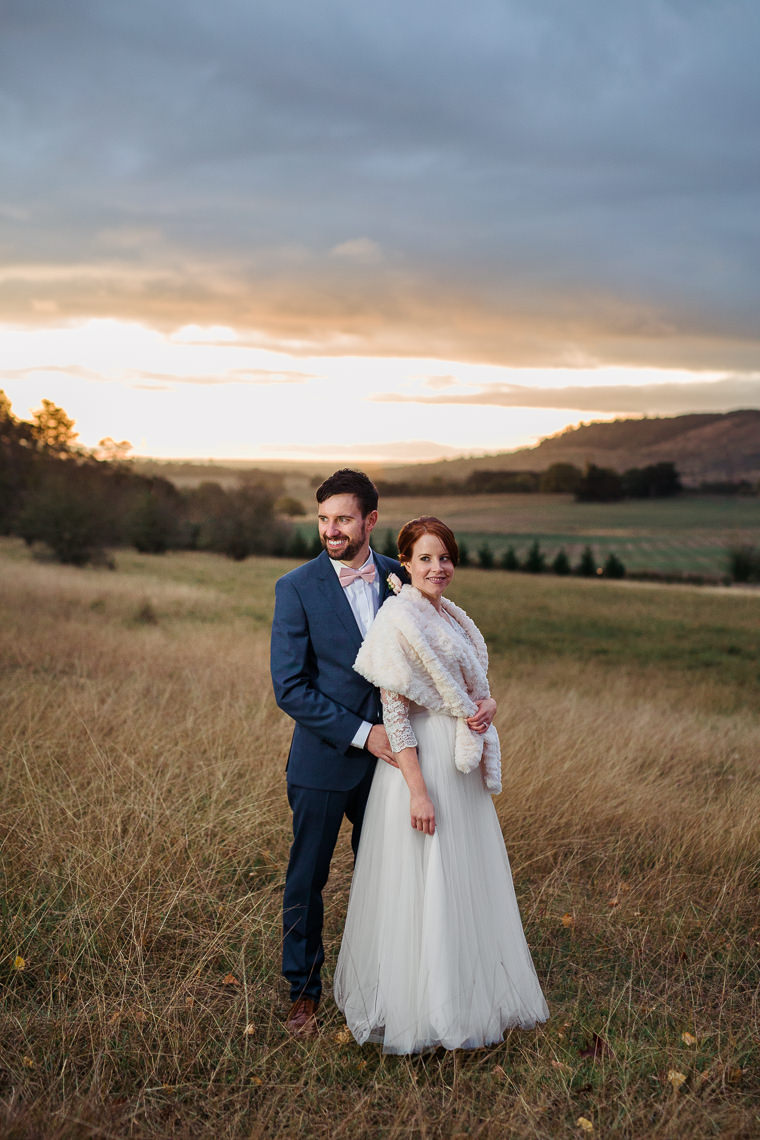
x=302 y=1018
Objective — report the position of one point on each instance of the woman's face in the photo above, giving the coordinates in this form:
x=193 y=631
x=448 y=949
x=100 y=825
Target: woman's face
x=430 y=567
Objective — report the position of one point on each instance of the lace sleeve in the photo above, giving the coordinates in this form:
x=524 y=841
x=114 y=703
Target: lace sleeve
x=396 y=721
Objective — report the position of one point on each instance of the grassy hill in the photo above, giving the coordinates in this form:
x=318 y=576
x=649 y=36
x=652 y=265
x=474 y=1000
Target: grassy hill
x=704 y=448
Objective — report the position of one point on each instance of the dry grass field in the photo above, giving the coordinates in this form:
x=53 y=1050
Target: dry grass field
x=144 y=836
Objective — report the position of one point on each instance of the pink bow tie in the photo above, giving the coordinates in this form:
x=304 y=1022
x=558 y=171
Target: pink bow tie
x=347 y=575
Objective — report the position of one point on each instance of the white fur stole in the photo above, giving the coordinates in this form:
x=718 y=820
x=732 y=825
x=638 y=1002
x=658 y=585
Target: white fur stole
x=411 y=650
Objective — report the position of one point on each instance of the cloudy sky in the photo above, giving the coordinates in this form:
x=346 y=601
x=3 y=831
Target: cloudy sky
x=277 y=227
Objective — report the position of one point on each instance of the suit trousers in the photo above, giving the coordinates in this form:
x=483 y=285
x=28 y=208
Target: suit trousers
x=317 y=817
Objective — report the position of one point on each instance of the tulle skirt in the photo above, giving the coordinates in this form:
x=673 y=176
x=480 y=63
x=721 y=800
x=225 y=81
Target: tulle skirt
x=433 y=950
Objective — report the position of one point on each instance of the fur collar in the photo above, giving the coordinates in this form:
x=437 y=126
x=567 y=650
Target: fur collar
x=413 y=650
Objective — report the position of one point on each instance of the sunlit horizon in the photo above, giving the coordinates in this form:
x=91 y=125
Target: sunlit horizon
x=205 y=393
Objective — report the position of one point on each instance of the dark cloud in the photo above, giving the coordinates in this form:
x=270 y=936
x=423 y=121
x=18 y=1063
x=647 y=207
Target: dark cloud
x=511 y=181
x=730 y=393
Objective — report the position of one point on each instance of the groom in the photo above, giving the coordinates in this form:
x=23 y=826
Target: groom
x=322 y=612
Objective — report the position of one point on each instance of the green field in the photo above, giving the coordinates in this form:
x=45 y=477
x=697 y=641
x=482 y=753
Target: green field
x=144 y=834
x=688 y=535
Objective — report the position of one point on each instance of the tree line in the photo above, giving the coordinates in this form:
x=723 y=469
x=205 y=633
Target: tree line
x=79 y=502
x=593 y=485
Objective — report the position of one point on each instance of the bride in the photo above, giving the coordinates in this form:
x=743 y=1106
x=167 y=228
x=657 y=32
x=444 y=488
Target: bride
x=433 y=951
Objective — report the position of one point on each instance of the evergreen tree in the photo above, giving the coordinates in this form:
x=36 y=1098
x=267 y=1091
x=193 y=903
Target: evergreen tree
x=561 y=563
x=316 y=547
x=485 y=557
x=390 y=548
x=587 y=566
x=535 y=561
x=744 y=563
x=613 y=567
x=509 y=560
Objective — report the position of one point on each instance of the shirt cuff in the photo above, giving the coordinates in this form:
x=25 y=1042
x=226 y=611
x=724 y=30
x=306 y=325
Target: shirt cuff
x=363 y=731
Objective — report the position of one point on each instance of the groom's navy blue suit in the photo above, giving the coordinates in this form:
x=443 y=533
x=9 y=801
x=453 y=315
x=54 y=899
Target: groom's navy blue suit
x=315 y=640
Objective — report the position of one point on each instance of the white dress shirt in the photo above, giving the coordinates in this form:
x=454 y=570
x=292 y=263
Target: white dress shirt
x=364 y=600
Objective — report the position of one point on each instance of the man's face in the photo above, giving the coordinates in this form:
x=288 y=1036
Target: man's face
x=343 y=531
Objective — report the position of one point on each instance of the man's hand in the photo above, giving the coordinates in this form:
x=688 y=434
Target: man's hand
x=379 y=745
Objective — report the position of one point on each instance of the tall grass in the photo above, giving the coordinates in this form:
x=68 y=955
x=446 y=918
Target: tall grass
x=144 y=835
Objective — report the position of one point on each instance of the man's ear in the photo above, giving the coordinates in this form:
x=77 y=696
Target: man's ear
x=371 y=521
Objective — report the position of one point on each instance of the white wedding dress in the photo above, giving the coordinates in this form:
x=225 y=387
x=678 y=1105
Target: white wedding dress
x=433 y=951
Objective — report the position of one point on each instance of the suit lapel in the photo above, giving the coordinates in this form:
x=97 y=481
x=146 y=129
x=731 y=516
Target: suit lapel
x=385 y=590
x=335 y=591
x=384 y=568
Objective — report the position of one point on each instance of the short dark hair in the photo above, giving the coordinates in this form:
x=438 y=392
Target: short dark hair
x=350 y=482
x=426 y=524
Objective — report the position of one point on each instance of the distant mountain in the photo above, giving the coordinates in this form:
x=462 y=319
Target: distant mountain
x=709 y=447
x=706 y=447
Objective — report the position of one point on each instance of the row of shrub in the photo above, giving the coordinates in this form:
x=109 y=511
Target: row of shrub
x=535 y=560
x=742 y=564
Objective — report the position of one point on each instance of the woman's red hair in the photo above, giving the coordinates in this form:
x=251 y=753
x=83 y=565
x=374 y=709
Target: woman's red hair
x=426 y=524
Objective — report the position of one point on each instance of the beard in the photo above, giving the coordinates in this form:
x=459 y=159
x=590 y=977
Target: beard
x=349 y=551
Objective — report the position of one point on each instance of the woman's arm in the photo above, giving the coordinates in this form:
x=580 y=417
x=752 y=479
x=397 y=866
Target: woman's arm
x=404 y=745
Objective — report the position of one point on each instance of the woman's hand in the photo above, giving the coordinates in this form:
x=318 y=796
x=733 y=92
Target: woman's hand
x=422 y=814
x=481 y=720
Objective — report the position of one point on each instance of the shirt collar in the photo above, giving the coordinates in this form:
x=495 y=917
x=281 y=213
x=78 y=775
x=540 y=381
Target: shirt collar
x=338 y=566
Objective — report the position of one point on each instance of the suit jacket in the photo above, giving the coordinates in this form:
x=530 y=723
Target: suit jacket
x=315 y=640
